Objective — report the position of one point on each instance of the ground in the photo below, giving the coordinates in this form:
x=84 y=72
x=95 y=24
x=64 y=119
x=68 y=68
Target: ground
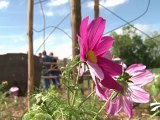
x=140 y=111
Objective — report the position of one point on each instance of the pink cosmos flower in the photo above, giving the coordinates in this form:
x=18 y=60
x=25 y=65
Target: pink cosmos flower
x=132 y=80
x=94 y=49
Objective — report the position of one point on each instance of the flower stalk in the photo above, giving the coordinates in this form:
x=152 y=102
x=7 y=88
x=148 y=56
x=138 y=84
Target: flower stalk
x=105 y=104
x=86 y=98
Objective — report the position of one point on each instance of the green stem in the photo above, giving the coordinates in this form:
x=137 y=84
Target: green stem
x=75 y=65
x=68 y=95
x=86 y=98
x=68 y=89
x=110 y=97
x=75 y=92
x=150 y=118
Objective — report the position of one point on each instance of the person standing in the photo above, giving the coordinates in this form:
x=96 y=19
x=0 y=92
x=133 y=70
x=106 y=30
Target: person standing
x=56 y=73
x=46 y=67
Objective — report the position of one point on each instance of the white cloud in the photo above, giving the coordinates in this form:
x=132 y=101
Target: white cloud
x=13 y=44
x=13 y=48
x=48 y=13
x=63 y=50
x=13 y=38
x=119 y=31
x=146 y=28
x=57 y=2
x=4 y=4
x=52 y=12
x=59 y=44
x=107 y=3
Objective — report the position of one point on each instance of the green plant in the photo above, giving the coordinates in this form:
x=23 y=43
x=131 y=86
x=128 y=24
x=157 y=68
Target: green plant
x=5 y=102
x=69 y=105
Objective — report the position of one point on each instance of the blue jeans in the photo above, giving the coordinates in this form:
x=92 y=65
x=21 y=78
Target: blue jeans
x=47 y=83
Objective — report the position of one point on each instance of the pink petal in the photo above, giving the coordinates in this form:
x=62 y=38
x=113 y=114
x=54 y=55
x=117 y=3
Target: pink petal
x=103 y=94
x=135 y=69
x=82 y=69
x=110 y=83
x=115 y=107
x=108 y=55
x=83 y=48
x=127 y=106
x=104 y=45
x=105 y=79
x=143 y=78
x=96 y=70
x=82 y=53
x=110 y=67
x=14 y=89
x=83 y=27
x=95 y=31
x=139 y=95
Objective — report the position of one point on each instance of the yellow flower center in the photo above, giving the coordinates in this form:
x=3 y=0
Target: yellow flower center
x=91 y=56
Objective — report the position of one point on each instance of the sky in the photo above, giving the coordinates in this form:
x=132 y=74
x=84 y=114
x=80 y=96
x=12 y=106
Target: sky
x=13 y=22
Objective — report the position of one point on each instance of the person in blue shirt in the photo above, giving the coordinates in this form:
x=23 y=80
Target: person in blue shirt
x=46 y=58
x=55 y=80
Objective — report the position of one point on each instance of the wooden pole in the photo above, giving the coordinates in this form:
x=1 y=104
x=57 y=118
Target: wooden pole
x=75 y=23
x=96 y=8
x=30 y=51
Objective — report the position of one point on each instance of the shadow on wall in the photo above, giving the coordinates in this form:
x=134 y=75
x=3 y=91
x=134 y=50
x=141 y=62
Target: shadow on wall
x=14 y=67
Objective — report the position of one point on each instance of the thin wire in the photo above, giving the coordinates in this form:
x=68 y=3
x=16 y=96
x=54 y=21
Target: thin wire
x=40 y=2
x=55 y=28
x=44 y=22
x=154 y=37
x=52 y=32
x=128 y=23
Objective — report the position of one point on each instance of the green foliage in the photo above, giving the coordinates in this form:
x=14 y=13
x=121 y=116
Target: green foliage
x=69 y=105
x=154 y=86
x=154 y=90
x=133 y=49
x=5 y=103
x=153 y=50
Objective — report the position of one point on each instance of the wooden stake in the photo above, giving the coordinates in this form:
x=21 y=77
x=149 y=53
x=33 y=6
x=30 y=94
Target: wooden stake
x=30 y=51
x=96 y=8
x=75 y=23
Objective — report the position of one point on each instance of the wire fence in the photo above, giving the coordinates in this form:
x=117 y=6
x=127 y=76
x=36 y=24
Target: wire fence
x=57 y=27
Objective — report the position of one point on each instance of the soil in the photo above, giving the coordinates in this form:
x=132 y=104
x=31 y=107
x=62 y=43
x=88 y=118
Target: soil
x=140 y=112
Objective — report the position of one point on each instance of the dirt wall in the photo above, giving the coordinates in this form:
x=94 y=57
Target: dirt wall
x=14 y=67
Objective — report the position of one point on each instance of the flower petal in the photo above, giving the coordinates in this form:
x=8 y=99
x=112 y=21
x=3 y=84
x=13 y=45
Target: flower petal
x=143 y=78
x=83 y=27
x=139 y=95
x=135 y=69
x=114 y=107
x=155 y=108
x=104 y=45
x=99 y=91
x=155 y=104
x=83 y=49
x=110 y=83
x=110 y=67
x=108 y=55
x=103 y=94
x=127 y=106
x=95 y=31
x=97 y=71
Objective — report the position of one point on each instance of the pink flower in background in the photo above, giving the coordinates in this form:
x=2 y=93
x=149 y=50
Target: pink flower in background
x=133 y=80
x=94 y=50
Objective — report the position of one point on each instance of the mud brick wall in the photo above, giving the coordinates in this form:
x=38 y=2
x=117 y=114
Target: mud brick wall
x=14 y=67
